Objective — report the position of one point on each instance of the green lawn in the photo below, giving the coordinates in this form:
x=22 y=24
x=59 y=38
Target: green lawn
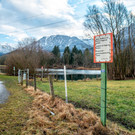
x=13 y=114
x=120 y=98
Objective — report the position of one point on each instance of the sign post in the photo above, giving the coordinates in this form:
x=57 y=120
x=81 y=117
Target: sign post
x=103 y=53
x=42 y=73
x=103 y=92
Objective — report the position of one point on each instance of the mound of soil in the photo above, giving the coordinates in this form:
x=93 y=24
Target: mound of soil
x=55 y=117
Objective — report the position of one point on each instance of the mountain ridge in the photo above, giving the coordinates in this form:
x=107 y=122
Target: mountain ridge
x=5 y=48
x=63 y=41
x=48 y=43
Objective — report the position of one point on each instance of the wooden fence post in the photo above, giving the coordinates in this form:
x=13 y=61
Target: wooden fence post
x=51 y=87
x=35 y=86
x=28 y=76
x=71 y=77
x=26 y=79
x=85 y=77
x=22 y=78
x=56 y=77
x=42 y=74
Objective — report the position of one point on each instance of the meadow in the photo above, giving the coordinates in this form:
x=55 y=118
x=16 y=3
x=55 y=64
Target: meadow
x=83 y=94
x=86 y=94
x=13 y=113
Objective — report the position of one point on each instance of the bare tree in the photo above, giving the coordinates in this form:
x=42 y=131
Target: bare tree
x=87 y=58
x=29 y=55
x=131 y=44
x=111 y=18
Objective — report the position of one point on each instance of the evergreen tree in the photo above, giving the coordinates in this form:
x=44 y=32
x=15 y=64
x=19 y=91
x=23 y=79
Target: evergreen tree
x=75 y=50
x=66 y=55
x=77 y=58
x=80 y=58
x=74 y=56
x=56 y=52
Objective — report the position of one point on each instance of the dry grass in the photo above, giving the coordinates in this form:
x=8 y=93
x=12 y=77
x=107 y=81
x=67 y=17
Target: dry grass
x=86 y=94
x=66 y=121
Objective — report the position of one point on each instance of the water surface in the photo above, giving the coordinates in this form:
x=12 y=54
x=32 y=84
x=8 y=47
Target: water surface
x=3 y=93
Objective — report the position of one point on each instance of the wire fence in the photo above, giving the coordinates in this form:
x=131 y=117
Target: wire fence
x=87 y=95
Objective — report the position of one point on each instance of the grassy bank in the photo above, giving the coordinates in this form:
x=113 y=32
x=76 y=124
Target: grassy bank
x=120 y=98
x=64 y=119
x=13 y=114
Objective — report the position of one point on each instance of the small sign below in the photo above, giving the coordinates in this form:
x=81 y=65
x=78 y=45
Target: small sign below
x=102 y=71
x=103 y=48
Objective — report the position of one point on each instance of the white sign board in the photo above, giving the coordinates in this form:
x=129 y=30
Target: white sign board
x=24 y=76
x=103 y=48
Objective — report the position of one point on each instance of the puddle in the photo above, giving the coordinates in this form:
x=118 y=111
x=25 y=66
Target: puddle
x=3 y=93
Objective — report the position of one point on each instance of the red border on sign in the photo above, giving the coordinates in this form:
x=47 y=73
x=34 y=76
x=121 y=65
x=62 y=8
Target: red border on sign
x=111 y=35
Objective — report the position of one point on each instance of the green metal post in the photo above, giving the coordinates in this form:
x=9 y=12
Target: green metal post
x=103 y=93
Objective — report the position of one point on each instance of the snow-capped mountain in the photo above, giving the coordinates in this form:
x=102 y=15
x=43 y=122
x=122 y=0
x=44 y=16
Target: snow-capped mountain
x=5 y=49
x=63 y=41
x=48 y=43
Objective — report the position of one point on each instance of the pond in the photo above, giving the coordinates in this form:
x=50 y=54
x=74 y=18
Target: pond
x=72 y=74
x=3 y=93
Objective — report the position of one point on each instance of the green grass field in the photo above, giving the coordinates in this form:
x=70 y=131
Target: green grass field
x=86 y=94
x=13 y=113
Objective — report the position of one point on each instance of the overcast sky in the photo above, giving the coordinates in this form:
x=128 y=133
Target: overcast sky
x=38 y=18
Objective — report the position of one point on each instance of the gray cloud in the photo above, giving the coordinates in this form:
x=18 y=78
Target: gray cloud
x=36 y=14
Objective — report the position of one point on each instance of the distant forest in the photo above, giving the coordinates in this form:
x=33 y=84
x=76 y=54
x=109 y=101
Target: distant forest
x=72 y=58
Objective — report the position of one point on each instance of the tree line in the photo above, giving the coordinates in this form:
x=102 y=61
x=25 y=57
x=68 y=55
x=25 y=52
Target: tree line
x=73 y=58
x=31 y=55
